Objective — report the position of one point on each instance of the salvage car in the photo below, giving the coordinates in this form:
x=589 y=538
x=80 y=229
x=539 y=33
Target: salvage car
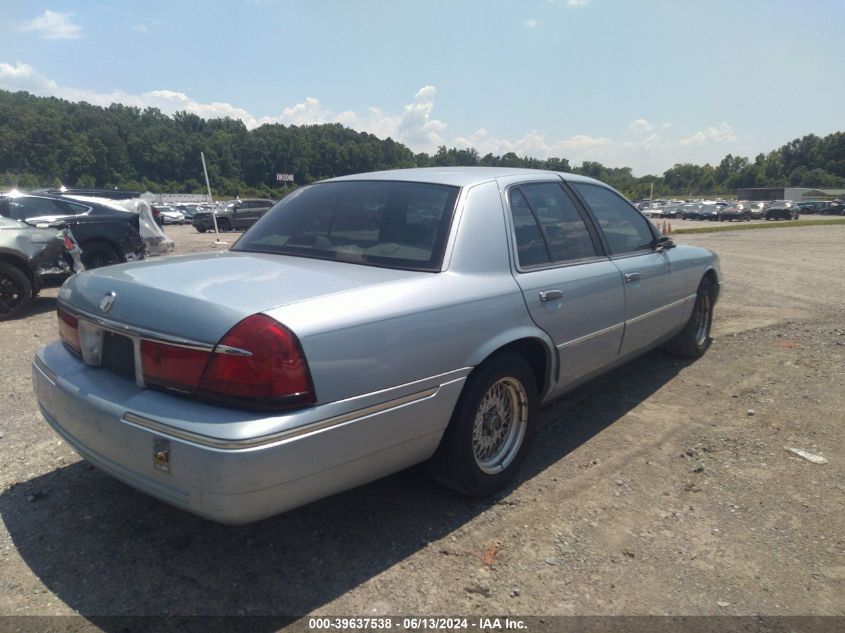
x=30 y=258
x=105 y=235
x=365 y=324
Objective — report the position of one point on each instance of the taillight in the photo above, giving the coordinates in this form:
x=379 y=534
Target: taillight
x=69 y=329
x=171 y=367
x=259 y=364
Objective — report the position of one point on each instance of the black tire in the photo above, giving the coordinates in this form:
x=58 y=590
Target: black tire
x=457 y=463
x=201 y=229
x=96 y=254
x=694 y=339
x=15 y=291
x=224 y=225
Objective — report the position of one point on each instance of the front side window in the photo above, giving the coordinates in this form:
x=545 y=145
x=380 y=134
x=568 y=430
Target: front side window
x=378 y=223
x=625 y=229
x=547 y=225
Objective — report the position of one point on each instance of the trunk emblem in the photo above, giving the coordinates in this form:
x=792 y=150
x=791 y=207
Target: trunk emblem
x=107 y=301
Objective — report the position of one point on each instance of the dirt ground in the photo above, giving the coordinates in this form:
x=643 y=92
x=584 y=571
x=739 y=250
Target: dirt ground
x=662 y=488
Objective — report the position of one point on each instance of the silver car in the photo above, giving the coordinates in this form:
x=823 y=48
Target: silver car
x=365 y=324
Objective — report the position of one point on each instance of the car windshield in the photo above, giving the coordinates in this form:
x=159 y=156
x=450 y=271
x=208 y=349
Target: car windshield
x=378 y=223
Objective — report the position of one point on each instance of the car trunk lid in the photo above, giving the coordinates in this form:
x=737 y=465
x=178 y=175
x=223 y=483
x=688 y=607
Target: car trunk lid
x=200 y=297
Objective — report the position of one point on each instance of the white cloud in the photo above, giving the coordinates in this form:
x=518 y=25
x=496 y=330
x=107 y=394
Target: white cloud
x=309 y=112
x=141 y=28
x=52 y=25
x=22 y=76
x=534 y=144
x=576 y=4
x=717 y=134
x=644 y=145
x=641 y=126
x=529 y=23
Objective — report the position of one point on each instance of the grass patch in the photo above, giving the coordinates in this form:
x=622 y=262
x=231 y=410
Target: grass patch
x=750 y=227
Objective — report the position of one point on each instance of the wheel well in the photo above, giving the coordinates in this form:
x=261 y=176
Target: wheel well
x=102 y=241
x=535 y=353
x=714 y=279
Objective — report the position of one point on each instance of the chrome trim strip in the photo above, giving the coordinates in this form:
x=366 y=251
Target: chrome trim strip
x=205 y=440
x=232 y=351
x=49 y=374
x=584 y=339
x=139 y=362
x=668 y=306
x=133 y=332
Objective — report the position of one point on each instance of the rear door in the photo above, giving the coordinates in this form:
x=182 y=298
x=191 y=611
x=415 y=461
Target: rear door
x=572 y=290
x=654 y=288
x=242 y=214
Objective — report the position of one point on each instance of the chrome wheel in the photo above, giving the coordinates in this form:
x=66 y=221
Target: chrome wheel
x=702 y=319
x=499 y=426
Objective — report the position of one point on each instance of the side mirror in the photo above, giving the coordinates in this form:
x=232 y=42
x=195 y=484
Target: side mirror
x=664 y=243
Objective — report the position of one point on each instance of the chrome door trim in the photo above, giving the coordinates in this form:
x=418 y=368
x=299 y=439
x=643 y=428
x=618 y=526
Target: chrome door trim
x=668 y=306
x=584 y=339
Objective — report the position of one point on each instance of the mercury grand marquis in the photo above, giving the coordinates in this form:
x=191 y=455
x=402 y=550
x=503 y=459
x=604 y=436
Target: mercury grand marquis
x=365 y=324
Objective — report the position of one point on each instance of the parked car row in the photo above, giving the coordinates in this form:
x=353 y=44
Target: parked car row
x=823 y=207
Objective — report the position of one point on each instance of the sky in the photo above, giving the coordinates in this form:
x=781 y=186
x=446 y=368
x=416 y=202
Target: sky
x=630 y=83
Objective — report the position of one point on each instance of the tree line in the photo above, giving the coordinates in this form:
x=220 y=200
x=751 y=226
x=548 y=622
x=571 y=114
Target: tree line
x=45 y=141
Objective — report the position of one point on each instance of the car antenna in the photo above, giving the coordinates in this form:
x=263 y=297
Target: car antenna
x=217 y=242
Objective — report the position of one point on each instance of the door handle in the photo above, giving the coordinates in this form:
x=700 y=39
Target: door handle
x=550 y=295
x=632 y=277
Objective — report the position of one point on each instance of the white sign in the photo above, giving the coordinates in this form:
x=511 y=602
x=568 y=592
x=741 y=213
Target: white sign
x=284 y=177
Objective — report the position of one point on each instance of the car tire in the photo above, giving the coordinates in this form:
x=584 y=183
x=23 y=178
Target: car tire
x=480 y=453
x=15 y=291
x=694 y=339
x=224 y=225
x=96 y=254
x=200 y=229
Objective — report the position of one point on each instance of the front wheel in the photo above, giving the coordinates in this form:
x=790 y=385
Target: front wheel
x=694 y=339
x=15 y=291
x=490 y=430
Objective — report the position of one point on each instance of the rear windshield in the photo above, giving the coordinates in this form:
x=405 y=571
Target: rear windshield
x=377 y=223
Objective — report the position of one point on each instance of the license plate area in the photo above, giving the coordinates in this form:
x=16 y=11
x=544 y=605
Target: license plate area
x=118 y=355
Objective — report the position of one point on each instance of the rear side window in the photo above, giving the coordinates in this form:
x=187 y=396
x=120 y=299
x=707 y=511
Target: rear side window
x=378 y=223
x=625 y=229
x=547 y=225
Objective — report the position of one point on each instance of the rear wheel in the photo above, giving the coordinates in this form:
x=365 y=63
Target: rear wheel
x=15 y=290
x=694 y=339
x=201 y=229
x=491 y=426
x=224 y=225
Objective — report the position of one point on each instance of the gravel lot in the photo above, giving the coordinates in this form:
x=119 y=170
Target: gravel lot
x=663 y=488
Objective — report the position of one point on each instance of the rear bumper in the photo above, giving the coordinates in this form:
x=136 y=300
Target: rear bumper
x=235 y=480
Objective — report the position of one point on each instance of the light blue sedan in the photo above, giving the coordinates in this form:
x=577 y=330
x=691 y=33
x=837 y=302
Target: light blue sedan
x=365 y=324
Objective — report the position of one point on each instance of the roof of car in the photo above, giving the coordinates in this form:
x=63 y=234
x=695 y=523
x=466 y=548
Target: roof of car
x=456 y=176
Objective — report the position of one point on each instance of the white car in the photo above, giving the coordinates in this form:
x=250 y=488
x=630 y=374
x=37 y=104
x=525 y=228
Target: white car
x=171 y=216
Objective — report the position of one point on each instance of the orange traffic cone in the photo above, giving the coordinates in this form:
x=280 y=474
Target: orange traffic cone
x=670 y=229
